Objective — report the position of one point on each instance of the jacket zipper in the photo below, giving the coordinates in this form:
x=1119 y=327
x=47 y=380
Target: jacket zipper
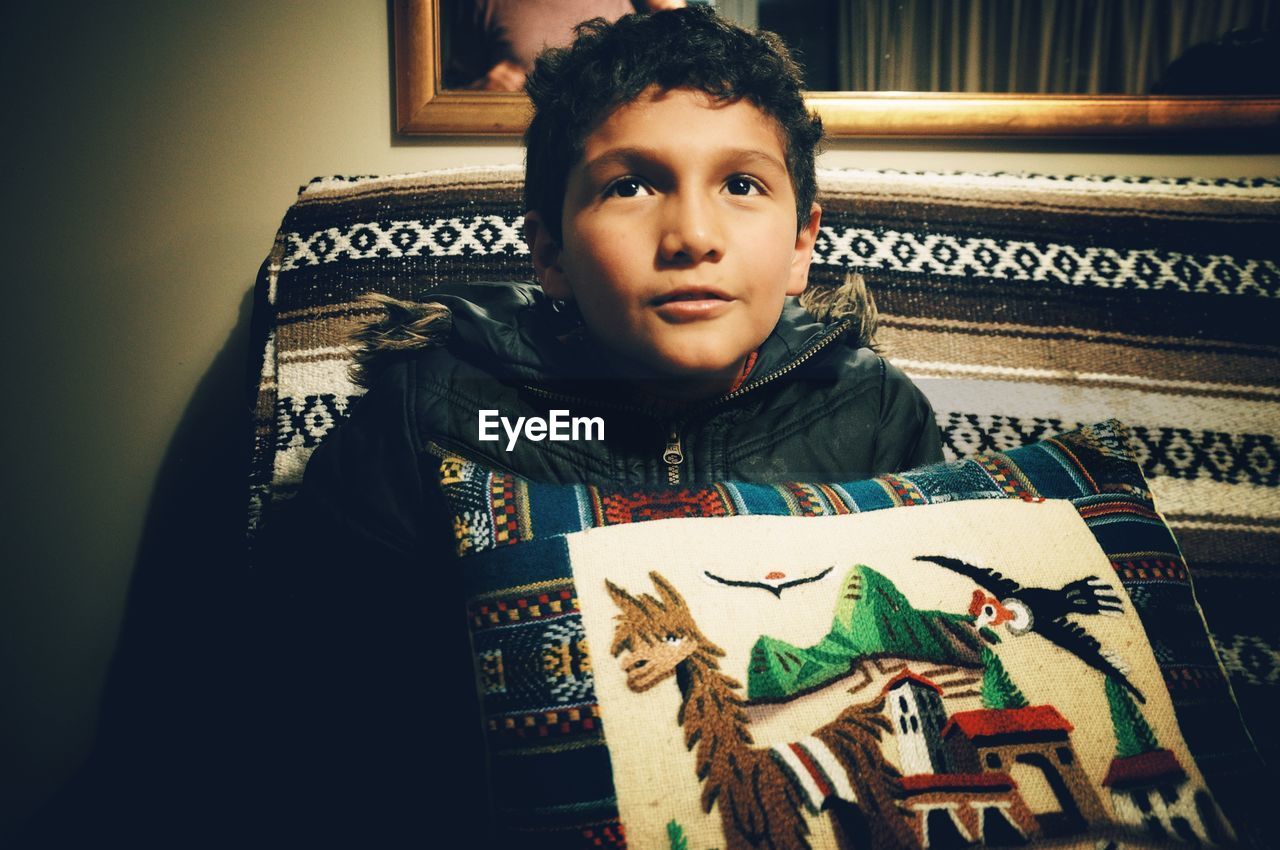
x=836 y=333
x=673 y=454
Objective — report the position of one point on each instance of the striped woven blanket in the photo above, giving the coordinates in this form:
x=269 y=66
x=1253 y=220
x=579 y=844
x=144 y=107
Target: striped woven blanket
x=1022 y=304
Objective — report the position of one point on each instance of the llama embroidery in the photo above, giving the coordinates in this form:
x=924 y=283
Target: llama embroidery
x=760 y=791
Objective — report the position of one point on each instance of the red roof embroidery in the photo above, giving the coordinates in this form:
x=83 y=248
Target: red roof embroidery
x=987 y=722
x=1143 y=769
x=907 y=675
x=957 y=781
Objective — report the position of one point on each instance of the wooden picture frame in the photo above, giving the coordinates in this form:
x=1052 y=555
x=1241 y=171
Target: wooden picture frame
x=424 y=107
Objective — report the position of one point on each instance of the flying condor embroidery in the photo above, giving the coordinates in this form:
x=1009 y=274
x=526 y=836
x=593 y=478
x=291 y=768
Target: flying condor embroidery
x=1044 y=611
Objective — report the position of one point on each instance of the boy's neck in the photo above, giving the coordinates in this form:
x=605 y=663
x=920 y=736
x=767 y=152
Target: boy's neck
x=682 y=390
x=685 y=390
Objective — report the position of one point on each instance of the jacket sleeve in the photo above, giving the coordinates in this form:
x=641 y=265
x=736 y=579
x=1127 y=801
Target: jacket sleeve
x=362 y=496
x=367 y=655
x=908 y=434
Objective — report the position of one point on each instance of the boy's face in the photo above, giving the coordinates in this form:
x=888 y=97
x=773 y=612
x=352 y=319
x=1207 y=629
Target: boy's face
x=680 y=238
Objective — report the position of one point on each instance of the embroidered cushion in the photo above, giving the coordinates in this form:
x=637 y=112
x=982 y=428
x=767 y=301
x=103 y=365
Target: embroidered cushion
x=1017 y=659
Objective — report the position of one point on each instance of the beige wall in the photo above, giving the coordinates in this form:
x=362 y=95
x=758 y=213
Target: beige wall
x=157 y=145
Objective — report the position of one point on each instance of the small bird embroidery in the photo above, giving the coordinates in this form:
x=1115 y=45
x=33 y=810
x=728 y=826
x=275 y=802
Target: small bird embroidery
x=775 y=582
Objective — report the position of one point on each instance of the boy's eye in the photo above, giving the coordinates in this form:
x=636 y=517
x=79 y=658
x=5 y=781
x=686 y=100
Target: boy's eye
x=741 y=185
x=626 y=187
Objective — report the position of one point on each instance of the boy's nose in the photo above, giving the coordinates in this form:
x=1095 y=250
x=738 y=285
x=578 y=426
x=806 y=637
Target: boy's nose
x=692 y=231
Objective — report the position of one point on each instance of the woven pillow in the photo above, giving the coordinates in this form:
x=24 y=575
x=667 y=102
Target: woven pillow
x=1018 y=660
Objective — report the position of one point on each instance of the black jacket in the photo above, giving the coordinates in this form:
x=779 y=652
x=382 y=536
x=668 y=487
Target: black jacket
x=816 y=406
x=377 y=655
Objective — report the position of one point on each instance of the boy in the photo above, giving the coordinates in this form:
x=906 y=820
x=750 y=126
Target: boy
x=670 y=187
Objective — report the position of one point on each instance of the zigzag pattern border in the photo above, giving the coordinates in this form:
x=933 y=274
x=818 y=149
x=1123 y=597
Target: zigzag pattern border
x=935 y=254
x=945 y=255
x=366 y=240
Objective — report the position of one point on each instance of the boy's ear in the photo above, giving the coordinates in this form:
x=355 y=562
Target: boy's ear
x=545 y=251
x=806 y=238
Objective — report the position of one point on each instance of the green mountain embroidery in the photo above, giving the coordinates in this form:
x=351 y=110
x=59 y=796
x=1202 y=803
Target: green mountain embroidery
x=873 y=619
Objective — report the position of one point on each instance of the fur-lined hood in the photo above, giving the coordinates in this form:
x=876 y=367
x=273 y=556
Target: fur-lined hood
x=523 y=334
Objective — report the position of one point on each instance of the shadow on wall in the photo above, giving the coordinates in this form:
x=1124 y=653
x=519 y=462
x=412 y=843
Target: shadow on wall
x=172 y=761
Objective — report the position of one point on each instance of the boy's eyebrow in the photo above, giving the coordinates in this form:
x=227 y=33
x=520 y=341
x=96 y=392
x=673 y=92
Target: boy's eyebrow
x=629 y=156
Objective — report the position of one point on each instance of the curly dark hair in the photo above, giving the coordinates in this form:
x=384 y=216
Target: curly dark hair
x=574 y=89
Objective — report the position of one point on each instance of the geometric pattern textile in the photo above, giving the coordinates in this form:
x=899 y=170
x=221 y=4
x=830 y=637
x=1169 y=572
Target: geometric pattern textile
x=558 y=618
x=1021 y=304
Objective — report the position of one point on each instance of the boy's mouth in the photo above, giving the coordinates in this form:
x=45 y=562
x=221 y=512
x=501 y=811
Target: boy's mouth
x=692 y=304
x=691 y=295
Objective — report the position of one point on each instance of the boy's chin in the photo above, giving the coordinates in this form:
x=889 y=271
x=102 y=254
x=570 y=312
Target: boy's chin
x=685 y=368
